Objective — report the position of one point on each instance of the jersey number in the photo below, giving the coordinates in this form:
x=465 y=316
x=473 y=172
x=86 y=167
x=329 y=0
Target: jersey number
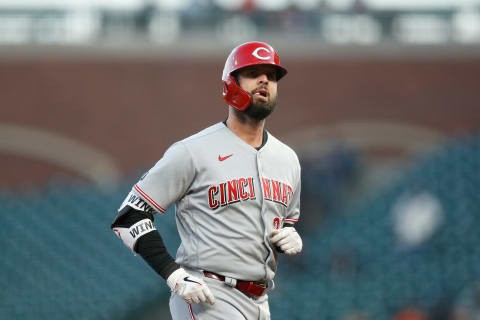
x=277 y=223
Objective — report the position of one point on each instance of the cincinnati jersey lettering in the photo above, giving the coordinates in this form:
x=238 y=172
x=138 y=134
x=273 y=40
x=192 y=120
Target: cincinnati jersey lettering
x=230 y=192
x=243 y=189
x=277 y=191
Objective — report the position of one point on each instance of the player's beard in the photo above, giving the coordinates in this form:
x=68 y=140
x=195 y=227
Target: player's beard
x=259 y=110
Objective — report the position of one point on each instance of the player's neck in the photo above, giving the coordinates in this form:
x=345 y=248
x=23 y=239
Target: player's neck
x=246 y=128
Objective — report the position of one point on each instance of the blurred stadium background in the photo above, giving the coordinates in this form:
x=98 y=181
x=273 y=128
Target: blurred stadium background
x=381 y=103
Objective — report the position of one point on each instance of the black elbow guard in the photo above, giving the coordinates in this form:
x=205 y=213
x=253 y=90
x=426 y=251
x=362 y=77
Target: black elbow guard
x=130 y=225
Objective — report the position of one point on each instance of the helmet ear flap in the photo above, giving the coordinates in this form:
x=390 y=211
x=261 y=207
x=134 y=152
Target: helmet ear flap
x=234 y=95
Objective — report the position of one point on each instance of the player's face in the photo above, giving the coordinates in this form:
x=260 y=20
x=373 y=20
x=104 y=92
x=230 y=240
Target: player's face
x=261 y=83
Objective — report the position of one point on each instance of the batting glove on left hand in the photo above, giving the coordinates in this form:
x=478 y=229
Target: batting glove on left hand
x=287 y=239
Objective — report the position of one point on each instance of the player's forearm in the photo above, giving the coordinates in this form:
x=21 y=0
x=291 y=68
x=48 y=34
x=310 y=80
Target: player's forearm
x=150 y=245
x=153 y=251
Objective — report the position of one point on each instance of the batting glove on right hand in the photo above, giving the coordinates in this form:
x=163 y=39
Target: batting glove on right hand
x=190 y=288
x=287 y=239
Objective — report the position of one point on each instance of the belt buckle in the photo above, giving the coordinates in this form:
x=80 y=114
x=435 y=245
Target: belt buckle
x=231 y=282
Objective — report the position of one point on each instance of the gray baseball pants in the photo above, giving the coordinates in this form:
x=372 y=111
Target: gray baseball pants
x=230 y=304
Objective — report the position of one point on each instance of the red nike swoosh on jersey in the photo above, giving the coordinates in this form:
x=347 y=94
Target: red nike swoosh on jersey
x=220 y=158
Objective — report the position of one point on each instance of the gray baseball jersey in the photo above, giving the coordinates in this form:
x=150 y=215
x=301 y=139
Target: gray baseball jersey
x=229 y=197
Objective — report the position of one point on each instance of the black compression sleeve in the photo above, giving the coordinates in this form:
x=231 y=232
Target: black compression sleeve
x=153 y=251
x=150 y=246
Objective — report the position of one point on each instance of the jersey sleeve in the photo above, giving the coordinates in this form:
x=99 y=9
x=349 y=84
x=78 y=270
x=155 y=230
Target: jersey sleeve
x=168 y=180
x=293 y=213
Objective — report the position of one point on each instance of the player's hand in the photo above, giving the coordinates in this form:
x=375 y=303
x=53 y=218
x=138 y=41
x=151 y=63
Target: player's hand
x=287 y=239
x=190 y=288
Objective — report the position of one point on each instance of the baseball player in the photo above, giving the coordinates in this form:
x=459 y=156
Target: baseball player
x=236 y=189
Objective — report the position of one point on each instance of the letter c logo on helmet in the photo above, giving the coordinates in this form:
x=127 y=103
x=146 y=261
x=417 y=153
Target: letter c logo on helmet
x=256 y=55
x=245 y=55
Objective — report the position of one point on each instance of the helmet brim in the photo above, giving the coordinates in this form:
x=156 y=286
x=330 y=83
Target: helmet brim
x=281 y=71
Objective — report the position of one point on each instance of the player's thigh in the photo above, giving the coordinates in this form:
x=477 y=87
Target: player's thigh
x=221 y=310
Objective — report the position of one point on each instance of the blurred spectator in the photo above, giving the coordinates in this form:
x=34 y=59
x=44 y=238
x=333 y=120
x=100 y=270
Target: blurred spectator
x=359 y=6
x=467 y=306
x=328 y=181
x=248 y=5
x=416 y=217
x=411 y=313
x=144 y=16
x=294 y=20
x=356 y=315
x=343 y=262
x=324 y=5
x=443 y=308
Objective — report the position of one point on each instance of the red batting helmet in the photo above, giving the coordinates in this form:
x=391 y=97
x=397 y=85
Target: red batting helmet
x=247 y=54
